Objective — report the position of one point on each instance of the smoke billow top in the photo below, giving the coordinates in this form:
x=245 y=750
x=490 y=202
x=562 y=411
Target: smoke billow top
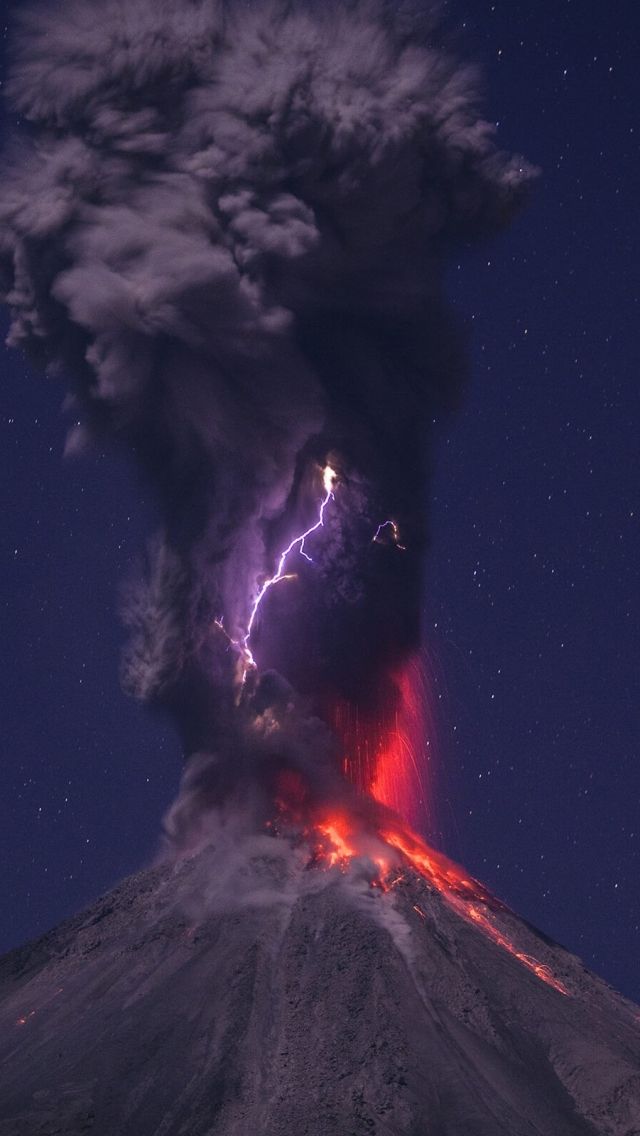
x=226 y=224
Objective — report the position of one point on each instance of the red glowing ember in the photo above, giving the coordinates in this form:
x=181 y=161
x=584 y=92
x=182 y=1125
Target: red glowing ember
x=388 y=754
x=27 y=1016
x=385 y=756
x=375 y=832
x=397 y=846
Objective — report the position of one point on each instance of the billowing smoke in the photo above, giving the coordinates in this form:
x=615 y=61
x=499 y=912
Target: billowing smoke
x=226 y=224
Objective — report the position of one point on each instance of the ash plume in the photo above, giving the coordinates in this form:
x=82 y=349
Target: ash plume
x=227 y=225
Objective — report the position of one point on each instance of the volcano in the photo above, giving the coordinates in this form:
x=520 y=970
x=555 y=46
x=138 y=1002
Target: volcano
x=228 y=226
x=251 y=992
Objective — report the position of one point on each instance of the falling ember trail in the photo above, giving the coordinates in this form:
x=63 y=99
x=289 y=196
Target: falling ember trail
x=22 y=1021
x=24 y=1018
x=387 y=753
x=402 y=758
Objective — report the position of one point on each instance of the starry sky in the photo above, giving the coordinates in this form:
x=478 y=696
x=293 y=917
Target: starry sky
x=531 y=601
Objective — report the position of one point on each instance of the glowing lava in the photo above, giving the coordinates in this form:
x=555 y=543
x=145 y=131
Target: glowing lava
x=388 y=754
x=398 y=845
x=483 y=920
x=404 y=752
x=443 y=874
x=339 y=849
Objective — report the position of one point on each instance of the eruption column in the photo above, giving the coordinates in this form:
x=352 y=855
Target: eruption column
x=228 y=223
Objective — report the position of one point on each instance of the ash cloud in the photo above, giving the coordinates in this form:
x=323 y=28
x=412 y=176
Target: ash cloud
x=226 y=224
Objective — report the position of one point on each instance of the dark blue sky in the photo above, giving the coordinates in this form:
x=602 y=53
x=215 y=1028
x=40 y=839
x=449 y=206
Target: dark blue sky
x=531 y=599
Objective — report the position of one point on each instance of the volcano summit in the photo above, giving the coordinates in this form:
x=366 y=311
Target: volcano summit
x=240 y=991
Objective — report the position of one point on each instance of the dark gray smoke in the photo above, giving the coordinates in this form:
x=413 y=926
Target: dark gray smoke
x=226 y=224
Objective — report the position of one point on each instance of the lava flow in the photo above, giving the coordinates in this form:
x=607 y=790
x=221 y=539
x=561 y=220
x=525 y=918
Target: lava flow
x=396 y=847
x=375 y=835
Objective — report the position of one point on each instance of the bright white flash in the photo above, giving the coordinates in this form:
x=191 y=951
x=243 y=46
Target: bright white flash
x=329 y=476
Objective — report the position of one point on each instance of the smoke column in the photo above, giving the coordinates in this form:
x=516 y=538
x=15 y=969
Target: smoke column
x=226 y=225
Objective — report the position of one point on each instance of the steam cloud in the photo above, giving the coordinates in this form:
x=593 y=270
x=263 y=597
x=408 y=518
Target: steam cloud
x=226 y=224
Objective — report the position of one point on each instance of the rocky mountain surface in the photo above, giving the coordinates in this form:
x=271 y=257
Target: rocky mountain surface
x=278 y=1000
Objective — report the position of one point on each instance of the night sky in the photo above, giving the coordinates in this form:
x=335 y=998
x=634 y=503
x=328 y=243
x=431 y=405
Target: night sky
x=531 y=601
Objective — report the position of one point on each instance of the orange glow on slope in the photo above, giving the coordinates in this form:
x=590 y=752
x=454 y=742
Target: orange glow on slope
x=532 y=964
x=395 y=845
x=465 y=895
x=342 y=843
x=340 y=850
x=443 y=874
x=24 y=1018
x=374 y=826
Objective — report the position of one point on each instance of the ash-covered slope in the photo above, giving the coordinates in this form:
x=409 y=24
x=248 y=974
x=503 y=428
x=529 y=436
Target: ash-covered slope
x=265 y=998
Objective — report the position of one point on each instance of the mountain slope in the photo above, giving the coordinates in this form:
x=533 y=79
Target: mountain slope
x=280 y=1000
